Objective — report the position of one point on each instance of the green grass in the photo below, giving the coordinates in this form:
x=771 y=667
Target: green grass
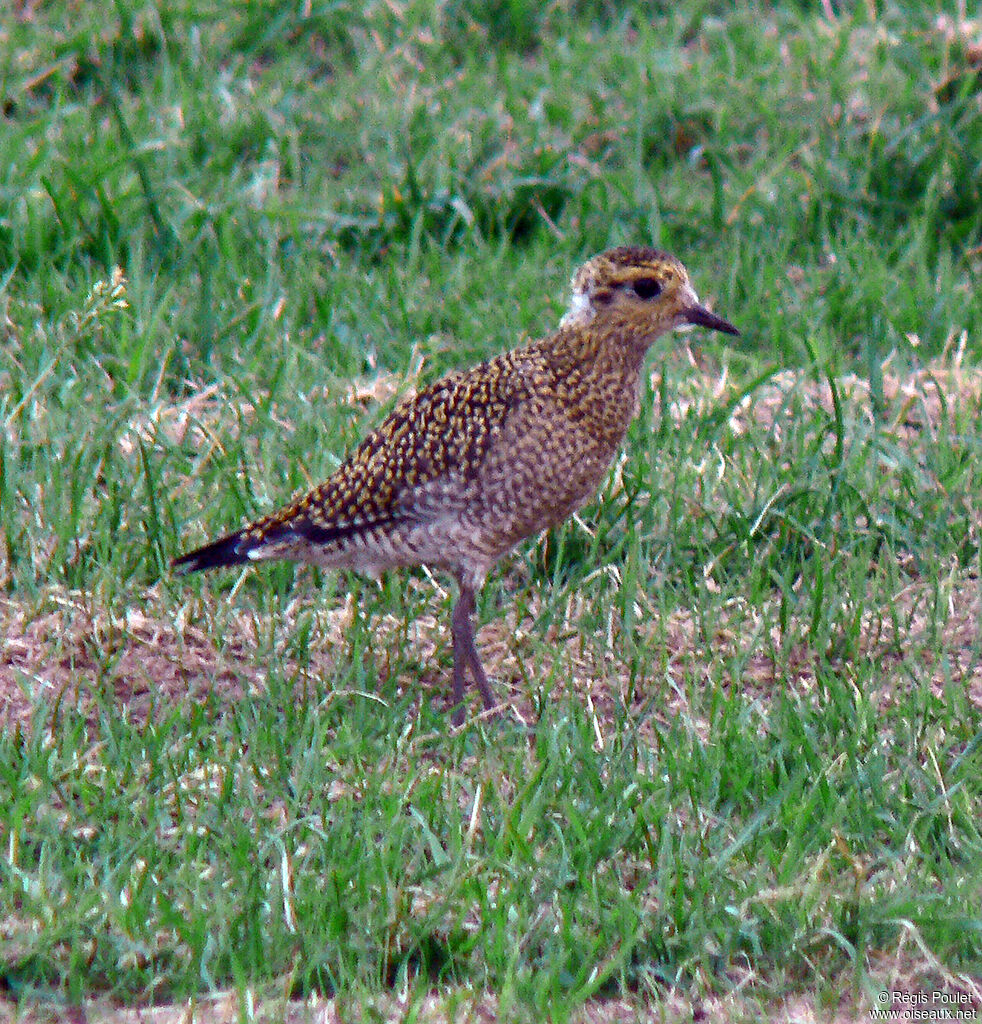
x=751 y=671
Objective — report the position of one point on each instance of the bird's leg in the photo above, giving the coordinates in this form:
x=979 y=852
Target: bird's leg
x=459 y=626
x=465 y=654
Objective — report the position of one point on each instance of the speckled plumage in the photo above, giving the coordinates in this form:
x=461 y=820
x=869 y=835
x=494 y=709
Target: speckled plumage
x=465 y=469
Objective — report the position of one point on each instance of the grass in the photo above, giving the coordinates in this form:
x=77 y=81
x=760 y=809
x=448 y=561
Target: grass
x=743 y=772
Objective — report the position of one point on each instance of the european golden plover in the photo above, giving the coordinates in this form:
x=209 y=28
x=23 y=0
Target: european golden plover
x=463 y=470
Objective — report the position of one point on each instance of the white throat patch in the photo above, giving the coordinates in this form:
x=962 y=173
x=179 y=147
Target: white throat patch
x=580 y=310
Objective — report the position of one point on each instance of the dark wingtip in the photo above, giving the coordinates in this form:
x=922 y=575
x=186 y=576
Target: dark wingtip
x=212 y=556
x=701 y=316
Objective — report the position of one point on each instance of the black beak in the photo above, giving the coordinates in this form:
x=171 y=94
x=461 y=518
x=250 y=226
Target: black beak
x=701 y=316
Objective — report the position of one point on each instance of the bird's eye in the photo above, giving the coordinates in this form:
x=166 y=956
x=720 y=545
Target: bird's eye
x=646 y=287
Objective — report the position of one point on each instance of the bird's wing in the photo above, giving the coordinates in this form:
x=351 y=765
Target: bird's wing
x=440 y=436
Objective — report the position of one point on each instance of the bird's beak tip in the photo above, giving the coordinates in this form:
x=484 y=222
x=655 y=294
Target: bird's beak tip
x=701 y=316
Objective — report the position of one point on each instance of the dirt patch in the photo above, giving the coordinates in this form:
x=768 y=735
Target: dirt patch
x=158 y=657
x=71 y=653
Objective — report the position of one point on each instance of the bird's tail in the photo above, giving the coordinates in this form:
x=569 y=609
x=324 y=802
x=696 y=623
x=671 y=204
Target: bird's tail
x=228 y=550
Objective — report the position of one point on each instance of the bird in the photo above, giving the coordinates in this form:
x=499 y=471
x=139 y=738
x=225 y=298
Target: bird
x=466 y=468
